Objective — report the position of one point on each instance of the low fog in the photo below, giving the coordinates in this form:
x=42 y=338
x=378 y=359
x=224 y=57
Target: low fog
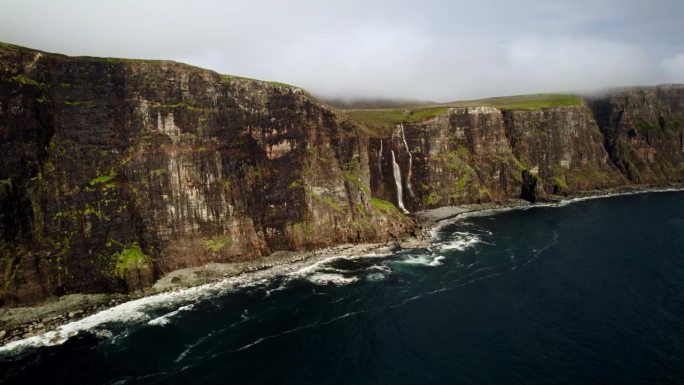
x=421 y=50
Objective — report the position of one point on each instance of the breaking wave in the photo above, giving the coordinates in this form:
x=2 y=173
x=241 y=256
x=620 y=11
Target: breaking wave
x=166 y=318
x=460 y=241
x=329 y=278
x=426 y=260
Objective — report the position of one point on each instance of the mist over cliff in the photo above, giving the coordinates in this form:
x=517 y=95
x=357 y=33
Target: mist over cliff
x=429 y=50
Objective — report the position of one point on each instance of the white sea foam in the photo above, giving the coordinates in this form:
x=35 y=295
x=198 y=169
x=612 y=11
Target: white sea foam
x=131 y=311
x=425 y=260
x=321 y=273
x=437 y=261
x=329 y=278
x=312 y=268
x=374 y=277
x=372 y=255
x=166 y=318
x=565 y=202
x=461 y=241
x=378 y=272
x=381 y=268
x=135 y=311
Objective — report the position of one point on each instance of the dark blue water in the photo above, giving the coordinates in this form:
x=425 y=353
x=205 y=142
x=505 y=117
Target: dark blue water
x=592 y=292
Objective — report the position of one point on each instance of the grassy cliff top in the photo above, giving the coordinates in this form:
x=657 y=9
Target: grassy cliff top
x=152 y=62
x=381 y=121
x=523 y=102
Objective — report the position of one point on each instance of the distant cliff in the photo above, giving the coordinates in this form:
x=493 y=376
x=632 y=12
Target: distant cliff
x=643 y=132
x=114 y=172
x=464 y=154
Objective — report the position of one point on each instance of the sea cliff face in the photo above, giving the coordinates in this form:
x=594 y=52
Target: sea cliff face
x=487 y=154
x=644 y=132
x=115 y=172
x=462 y=156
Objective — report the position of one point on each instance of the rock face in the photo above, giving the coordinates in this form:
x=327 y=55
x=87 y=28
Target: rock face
x=115 y=172
x=485 y=154
x=463 y=156
x=563 y=148
x=644 y=132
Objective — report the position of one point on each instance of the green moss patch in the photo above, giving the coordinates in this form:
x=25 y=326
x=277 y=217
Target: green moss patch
x=131 y=257
x=384 y=206
x=21 y=79
x=104 y=178
x=217 y=243
x=431 y=199
x=561 y=182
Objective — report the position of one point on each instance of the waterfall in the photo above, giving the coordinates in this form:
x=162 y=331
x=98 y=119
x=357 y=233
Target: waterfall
x=380 y=158
x=397 y=180
x=410 y=168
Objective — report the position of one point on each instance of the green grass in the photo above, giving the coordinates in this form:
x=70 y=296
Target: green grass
x=104 y=178
x=326 y=199
x=230 y=78
x=431 y=199
x=381 y=121
x=129 y=258
x=217 y=243
x=523 y=102
x=21 y=79
x=8 y=46
x=116 y=60
x=384 y=206
x=295 y=184
x=350 y=176
x=561 y=182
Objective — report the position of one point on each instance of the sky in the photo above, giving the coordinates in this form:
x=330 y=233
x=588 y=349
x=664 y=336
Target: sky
x=423 y=50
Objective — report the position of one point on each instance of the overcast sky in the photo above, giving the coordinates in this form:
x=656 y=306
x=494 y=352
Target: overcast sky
x=428 y=49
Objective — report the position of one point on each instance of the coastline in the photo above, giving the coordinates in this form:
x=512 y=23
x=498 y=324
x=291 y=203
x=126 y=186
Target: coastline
x=56 y=320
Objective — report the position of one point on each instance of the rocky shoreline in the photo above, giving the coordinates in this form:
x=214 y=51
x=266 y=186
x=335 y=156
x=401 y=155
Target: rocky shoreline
x=19 y=323
x=26 y=322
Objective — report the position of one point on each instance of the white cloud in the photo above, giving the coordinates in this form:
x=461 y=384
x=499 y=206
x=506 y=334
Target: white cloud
x=674 y=68
x=569 y=63
x=432 y=49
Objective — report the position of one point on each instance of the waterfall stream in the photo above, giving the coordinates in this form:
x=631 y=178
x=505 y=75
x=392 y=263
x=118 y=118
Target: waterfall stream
x=397 y=179
x=410 y=169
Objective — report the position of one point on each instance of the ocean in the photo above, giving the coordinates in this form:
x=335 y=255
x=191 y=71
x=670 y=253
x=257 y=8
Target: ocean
x=587 y=292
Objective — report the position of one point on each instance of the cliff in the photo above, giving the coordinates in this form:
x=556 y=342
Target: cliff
x=643 y=129
x=531 y=147
x=115 y=172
